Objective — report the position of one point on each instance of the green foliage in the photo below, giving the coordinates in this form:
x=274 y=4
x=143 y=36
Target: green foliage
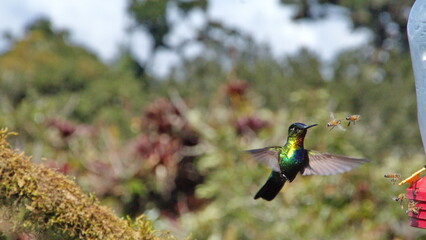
x=63 y=79
x=50 y=67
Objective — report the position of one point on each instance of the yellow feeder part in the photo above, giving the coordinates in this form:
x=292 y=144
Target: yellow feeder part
x=414 y=177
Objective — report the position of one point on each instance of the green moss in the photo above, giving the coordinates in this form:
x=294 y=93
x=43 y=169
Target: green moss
x=41 y=200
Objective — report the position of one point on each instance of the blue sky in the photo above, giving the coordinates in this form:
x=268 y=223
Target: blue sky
x=101 y=26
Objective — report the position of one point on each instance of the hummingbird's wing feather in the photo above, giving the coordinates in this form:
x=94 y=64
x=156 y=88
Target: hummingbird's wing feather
x=268 y=156
x=329 y=164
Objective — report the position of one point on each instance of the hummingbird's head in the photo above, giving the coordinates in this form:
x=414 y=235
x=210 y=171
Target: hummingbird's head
x=298 y=130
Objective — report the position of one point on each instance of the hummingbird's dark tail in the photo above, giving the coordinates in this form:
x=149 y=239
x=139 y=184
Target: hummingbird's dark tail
x=271 y=188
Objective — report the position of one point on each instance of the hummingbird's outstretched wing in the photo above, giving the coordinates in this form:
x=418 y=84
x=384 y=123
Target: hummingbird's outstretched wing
x=329 y=164
x=268 y=156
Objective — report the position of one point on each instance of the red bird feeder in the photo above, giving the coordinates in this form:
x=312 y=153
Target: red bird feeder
x=416 y=195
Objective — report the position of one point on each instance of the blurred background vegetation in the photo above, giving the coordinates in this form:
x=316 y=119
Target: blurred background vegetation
x=171 y=148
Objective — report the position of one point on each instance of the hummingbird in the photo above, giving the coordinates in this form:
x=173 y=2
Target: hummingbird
x=292 y=158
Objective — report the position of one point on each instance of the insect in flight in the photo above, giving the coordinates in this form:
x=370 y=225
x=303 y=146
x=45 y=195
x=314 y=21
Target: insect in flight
x=401 y=197
x=412 y=207
x=335 y=123
x=393 y=176
x=353 y=119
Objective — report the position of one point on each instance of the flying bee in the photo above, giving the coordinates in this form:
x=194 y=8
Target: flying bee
x=352 y=118
x=401 y=197
x=394 y=177
x=335 y=122
x=411 y=207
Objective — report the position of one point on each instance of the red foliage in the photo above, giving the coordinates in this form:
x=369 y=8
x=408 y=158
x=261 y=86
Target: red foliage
x=65 y=128
x=161 y=116
x=250 y=124
x=236 y=88
x=160 y=149
x=165 y=133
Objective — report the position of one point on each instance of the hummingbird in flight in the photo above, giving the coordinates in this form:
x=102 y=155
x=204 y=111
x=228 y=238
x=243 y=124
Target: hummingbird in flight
x=292 y=158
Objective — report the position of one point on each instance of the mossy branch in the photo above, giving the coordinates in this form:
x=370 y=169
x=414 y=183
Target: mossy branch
x=50 y=201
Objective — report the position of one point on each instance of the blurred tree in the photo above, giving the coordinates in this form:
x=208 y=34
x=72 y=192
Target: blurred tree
x=153 y=16
x=51 y=65
x=68 y=78
x=387 y=19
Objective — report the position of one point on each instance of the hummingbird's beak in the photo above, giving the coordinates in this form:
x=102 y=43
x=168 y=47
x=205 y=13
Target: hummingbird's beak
x=313 y=125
